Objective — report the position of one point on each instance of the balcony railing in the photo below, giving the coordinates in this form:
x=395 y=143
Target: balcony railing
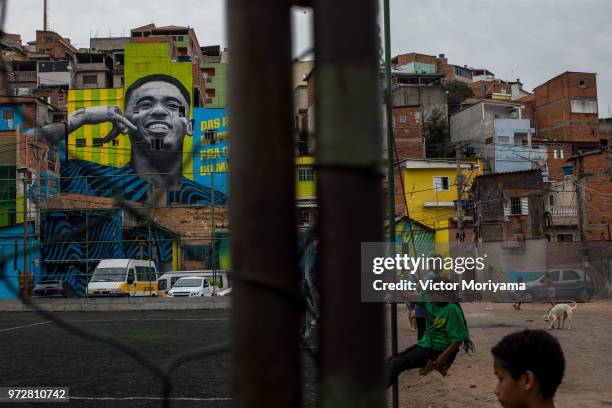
x=22 y=76
x=562 y=211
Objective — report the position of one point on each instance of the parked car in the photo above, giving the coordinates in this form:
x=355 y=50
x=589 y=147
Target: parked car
x=569 y=284
x=217 y=278
x=53 y=288
x=123 y=277
x=225 y=292
x=191 y=286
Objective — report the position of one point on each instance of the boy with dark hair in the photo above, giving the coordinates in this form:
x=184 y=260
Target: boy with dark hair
x=529 y=366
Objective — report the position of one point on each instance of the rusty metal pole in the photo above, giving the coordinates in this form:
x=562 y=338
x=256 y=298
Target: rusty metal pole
x=266 y=360
x=349 y=191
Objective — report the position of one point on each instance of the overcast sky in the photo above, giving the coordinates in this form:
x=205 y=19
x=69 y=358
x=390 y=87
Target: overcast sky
x=530 y=40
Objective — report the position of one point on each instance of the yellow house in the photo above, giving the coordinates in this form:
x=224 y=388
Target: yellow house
x=305 y=189
x=430 y=187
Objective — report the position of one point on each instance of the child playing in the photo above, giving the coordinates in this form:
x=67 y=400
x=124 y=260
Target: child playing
x=529 y=366
x=446 y=331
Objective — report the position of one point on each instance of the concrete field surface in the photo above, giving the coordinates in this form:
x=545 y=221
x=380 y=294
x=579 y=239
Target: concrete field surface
x=37 y=353
x=471 y=382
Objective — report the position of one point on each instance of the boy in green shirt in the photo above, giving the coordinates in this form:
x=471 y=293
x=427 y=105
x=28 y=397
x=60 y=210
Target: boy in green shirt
x=446 y=332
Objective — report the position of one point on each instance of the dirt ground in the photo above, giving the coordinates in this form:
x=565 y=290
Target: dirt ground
x=471 y=382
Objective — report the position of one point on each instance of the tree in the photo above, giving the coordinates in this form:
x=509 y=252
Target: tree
x=458 y=89
x=437 y=138
x=456 y=93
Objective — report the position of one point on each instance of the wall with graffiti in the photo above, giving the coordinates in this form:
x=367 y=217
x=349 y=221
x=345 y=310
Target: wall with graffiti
x=210 y=148
x=104 y=236
x=147 y=135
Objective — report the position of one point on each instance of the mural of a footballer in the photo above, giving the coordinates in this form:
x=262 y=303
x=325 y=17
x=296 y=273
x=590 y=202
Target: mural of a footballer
x=156 y=119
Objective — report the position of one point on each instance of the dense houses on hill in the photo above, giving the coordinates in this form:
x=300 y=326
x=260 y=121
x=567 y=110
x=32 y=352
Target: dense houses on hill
x=483 y=165
x=541 y=165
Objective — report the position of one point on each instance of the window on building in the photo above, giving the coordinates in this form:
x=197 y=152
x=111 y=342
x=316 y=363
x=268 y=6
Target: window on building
x=81 y=142
x=402 y=119
x=306 y=174
x=582 y=83
x=503 y=139
x=515 y=205
x=504 y=91
x=441 y=183
x=588 y=106
x=551 y=200
x=97 y=142
x=157 y=144
x=90 y=79
x=565 y=237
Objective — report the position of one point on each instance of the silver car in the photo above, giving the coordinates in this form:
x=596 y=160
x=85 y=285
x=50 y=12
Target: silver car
x=569 y=284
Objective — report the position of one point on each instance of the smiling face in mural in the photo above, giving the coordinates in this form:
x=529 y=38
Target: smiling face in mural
x=160 y=112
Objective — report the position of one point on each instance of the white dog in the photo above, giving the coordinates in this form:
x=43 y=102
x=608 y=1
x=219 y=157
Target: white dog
x=560 y=313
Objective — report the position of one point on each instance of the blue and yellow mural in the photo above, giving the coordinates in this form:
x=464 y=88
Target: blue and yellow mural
x=105 y=237
x=131 y=140
x=210 y=148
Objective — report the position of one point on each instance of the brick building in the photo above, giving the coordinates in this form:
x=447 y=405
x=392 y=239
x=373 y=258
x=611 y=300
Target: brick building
x=416 y=63
x=53 y=44
x=566 y=117
x=597 y=204
x=491 y=88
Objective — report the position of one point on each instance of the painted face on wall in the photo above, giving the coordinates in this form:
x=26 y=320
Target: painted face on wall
x=160 y=112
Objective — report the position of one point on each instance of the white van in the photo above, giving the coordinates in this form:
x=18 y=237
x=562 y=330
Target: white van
x=123 y=277
x=217 y=279
x=191 y=286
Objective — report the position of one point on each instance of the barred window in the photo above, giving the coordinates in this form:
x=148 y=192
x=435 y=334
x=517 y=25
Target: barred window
x=515 y=205
x=440 y=183
x=306 y=174
x=81 y=142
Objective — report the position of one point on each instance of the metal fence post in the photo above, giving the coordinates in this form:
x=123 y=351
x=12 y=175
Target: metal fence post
x=266 y=364
x=349 y=191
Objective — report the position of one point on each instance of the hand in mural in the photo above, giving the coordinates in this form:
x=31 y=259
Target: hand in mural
x=100 y=114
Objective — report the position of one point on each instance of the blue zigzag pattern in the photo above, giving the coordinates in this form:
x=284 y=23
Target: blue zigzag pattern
x=89 y=178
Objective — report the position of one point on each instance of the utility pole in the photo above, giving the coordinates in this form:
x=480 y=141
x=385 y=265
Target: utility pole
x=390 y=183
x=45 y=16
x=24 y=180
x=581 y=212
x=459 y=182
